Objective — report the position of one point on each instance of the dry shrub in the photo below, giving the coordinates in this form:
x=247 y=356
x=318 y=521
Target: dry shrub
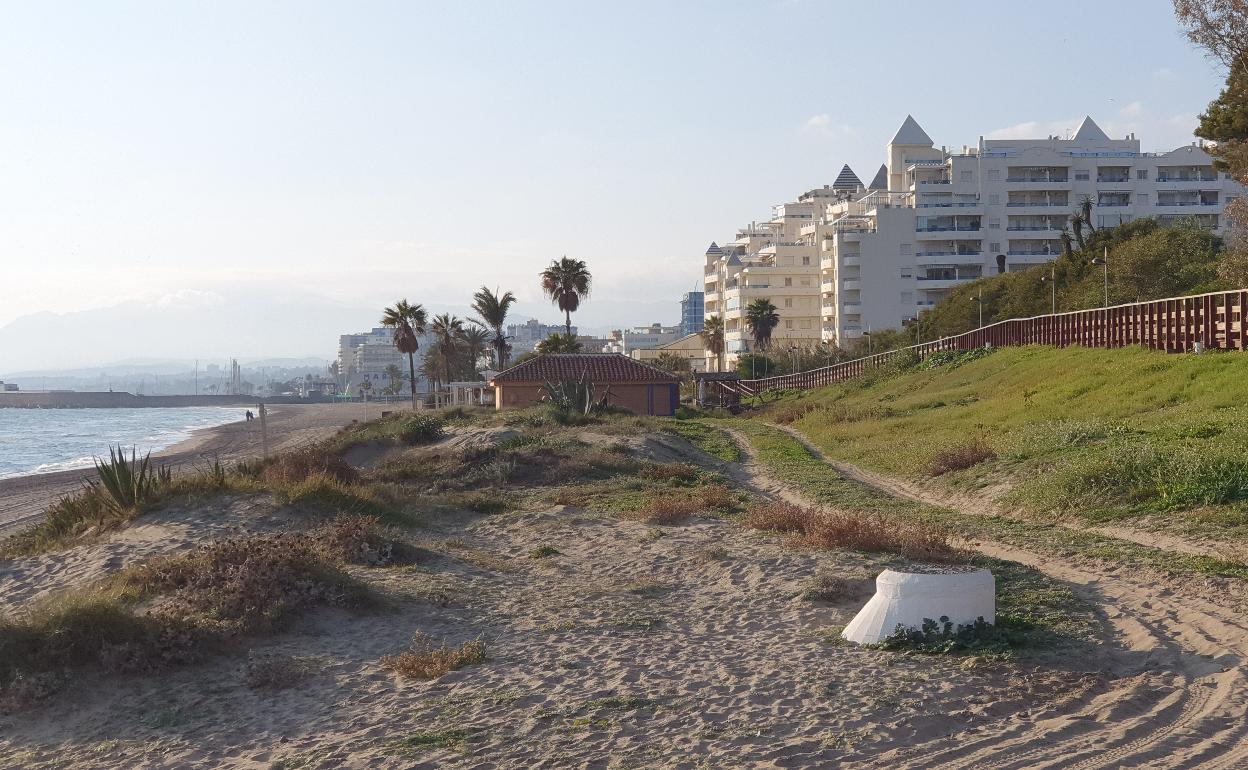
x=273 y=671
x=827 y=587
x=791 y=413
x=355 y=539
x=668 y=471
x=245 y=584
x=667 y=510
x=297 y=467
x=717 y=497
x=422 y=660
x=961 y=457
x=854 y=531
x=777 y=517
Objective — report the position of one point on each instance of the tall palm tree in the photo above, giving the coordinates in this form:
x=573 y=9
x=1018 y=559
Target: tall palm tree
x=1076 y=224
x=492 y=310
x=408 y=321
x=761 y=318
x=448 y=329
x=712 y=335
x=1085 y=211
x=566 y=282
x=476 y=340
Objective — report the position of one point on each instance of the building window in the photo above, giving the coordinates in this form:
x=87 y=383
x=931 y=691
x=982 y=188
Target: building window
x=803 y=324
x=1082 y=176
x=907 y=249
x=788 y=281
x=994 y=199
x=907 y=272
x=994 y=247
x=967 y=176
x=994 y=223
x=805 y=260
x=994 y=175
x=788 y=302
x=788 y=324
x=1142 y=174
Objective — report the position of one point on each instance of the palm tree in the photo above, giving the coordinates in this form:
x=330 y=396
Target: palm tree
x=448 y=329
x=566 y=282
x=476 y=340
x=395 y=375
x=712 y=335
x=1076 y=224
x=1065 y=237
x=761 y=317
x=1085 y=211
x=408 y=321
x=559 y=343
x=492 y=310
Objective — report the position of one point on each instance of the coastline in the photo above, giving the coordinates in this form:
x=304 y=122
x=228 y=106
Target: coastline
x=23 y=499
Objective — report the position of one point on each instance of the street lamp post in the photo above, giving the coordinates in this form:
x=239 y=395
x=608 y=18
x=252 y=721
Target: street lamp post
x=1051 y=279
x=870 y=342
x=1104 y=263
x=979 y=300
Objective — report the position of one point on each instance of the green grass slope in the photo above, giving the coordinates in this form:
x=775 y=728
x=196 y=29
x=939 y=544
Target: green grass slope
x=1091 y=434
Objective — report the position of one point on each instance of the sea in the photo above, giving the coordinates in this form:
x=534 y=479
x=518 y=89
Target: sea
x=49 y=440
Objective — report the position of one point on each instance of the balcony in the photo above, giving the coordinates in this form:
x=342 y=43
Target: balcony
x=1032 y=228
x=851 y=260
x=1021 y=179
x=929 y=258
x=851 y=284
x=1037 y=204
x=851 y=308
x=1186 y=178
x=1114 y=178
x=927 y=183
x=960 y=229
x=947 y=205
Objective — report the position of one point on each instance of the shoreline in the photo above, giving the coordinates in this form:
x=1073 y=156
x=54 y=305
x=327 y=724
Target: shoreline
x=23 y=499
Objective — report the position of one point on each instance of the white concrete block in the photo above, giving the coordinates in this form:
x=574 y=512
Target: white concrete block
x=908 y=598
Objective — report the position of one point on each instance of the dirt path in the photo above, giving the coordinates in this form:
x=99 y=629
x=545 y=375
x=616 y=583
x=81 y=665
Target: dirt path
x=1177 y=696
x=969 y=502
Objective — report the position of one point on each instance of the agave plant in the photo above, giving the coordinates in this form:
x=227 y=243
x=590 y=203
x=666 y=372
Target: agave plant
x=129 y=482
x=571 y=397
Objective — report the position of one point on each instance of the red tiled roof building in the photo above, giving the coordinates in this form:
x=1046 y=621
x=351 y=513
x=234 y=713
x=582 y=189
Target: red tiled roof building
x=625 y=383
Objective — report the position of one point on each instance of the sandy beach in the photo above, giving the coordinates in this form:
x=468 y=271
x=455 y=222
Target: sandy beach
x=24 y=498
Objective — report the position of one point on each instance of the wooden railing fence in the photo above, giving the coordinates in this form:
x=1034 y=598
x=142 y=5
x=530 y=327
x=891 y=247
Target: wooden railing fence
x=1212 y=321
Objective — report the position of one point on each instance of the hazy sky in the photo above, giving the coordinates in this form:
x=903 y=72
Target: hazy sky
x=326 y=158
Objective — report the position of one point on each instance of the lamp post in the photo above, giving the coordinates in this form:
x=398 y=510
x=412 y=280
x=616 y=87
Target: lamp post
x=870 y=343
x=979 y=300
x=1051 y=279
x=793 y=358
x=1104 y=263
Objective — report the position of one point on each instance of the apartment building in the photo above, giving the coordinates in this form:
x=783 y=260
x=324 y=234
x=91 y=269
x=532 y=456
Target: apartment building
x=933 y=218
x=367 y=357
x=776 y=260
x=524 y=337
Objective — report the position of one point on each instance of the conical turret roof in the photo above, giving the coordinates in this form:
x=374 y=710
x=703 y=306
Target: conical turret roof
x=880 y=182
x=911 y=133
x=847 y=180
x=1090 y=132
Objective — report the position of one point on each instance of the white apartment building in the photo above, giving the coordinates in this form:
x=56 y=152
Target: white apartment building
x=933 y=218
x=367 y=356
x=776 y=260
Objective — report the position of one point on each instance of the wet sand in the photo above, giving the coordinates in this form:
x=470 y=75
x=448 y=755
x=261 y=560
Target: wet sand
x=24 y=498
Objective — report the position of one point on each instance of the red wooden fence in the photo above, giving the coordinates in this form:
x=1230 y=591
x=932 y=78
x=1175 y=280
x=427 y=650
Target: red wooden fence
x=1213 y=321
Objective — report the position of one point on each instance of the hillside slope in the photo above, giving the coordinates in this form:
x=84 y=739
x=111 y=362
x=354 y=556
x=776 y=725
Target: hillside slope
x=1091 y=435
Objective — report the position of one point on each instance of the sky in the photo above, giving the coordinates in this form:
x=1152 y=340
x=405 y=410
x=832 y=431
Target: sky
x=204 y=179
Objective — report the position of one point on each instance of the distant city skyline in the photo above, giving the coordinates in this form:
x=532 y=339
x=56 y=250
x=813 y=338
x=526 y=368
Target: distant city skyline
x=240 y=180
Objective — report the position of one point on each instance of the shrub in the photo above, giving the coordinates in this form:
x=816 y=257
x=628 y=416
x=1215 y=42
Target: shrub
x=273 y=671
x=941 y=637
x=826 y=587
x=717 y=497
x=961 y=457
x=422 y=660
x=544 y=551
x=296 y=467
x=667 y=510
x=668 y=472
x=244 y=584
x=354 y=539
x=854 y=531
x=777 y=517
x=419 y=429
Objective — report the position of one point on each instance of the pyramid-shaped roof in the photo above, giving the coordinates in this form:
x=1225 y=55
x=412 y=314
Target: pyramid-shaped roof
x=733 y=259
x=714 y=249
x=1090 y=132
x=881 y=179
x=911 y=133
x=847 y=179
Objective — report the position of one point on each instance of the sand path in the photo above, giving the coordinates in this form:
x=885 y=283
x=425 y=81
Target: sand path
x=1178 y=697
